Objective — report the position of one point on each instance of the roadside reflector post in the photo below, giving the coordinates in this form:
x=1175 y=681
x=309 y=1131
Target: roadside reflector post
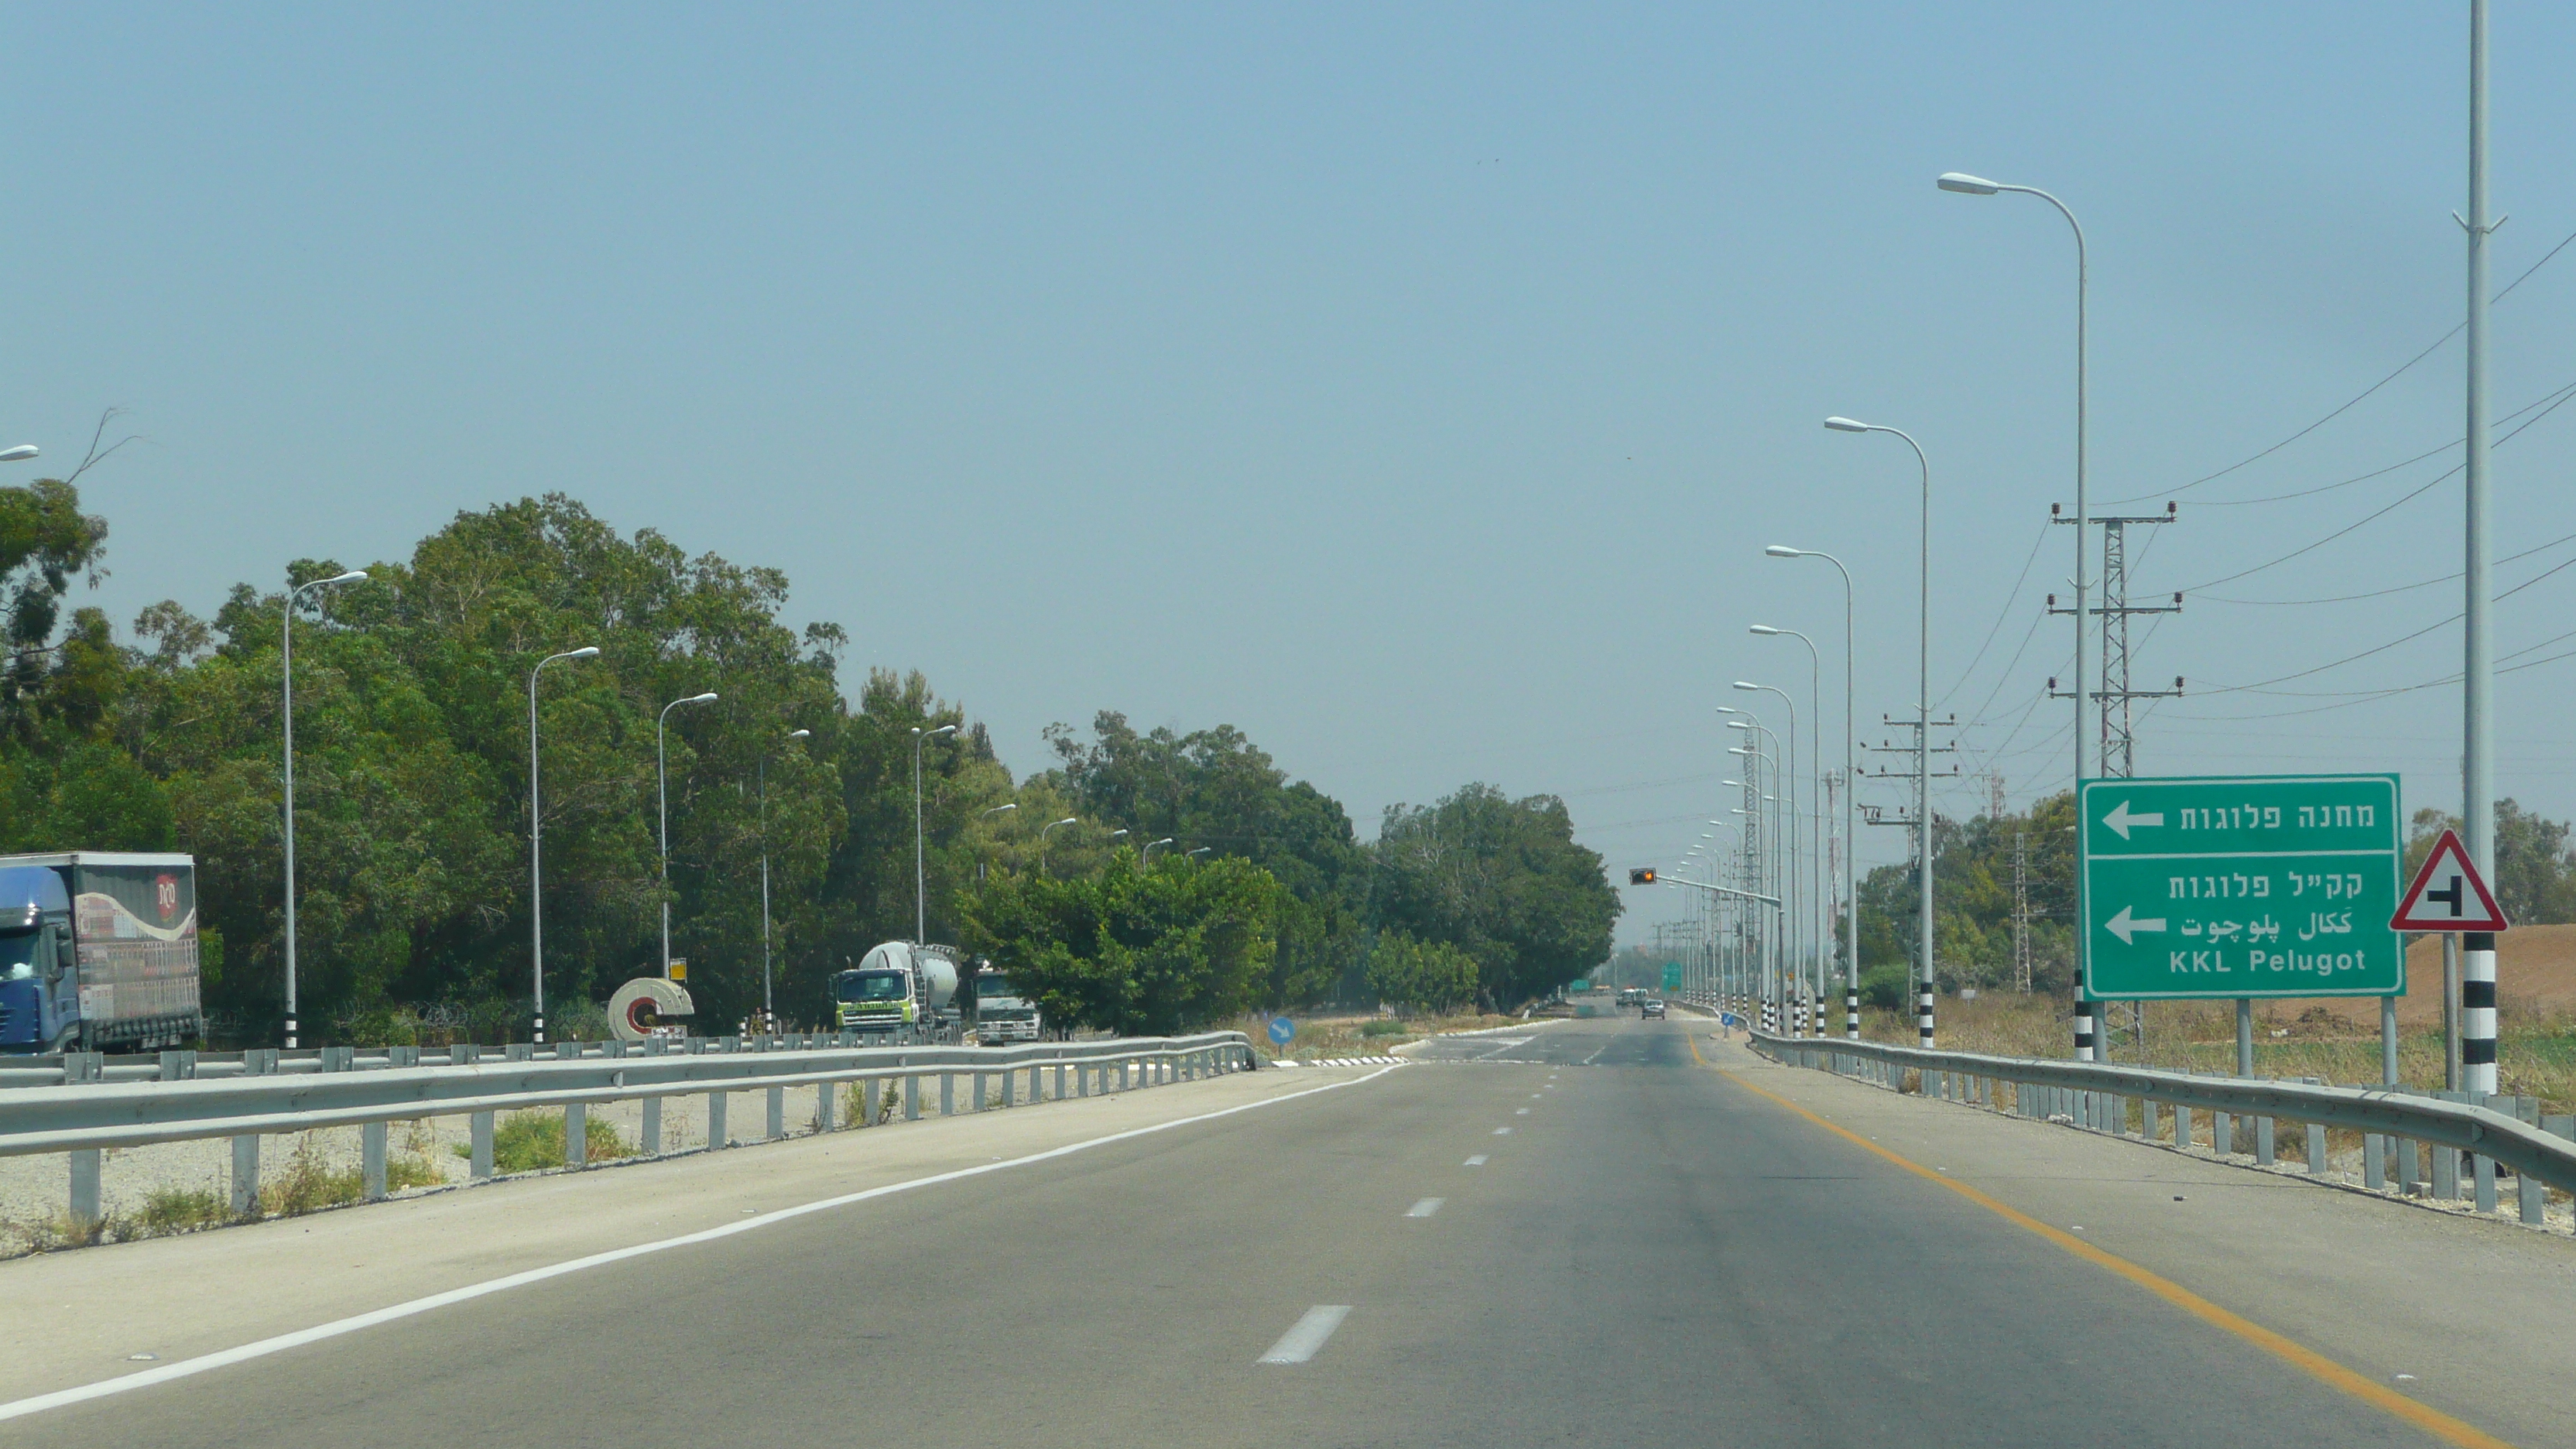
x=245 y=1175
x=85 y=1211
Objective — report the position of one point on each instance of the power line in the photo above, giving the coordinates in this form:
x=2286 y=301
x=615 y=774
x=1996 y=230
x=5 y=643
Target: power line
x=2000 y=615
x=2358 y=398
x=2392 y=589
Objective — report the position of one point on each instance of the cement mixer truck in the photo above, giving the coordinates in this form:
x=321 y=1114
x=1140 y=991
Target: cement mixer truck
x=899 y=985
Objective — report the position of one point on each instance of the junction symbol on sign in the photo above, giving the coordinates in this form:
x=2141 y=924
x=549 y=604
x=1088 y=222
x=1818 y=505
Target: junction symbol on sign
x=2448 y=894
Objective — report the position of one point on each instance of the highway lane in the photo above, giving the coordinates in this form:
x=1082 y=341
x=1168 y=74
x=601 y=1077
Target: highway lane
x=1508 y=1237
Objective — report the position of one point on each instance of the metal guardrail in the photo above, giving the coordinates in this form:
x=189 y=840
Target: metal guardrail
x=64 y=1068
x=84 y=1117
x=2098 y=1096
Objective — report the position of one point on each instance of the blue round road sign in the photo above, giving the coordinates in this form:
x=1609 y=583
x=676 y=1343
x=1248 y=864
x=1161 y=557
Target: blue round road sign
x=1282 y=1030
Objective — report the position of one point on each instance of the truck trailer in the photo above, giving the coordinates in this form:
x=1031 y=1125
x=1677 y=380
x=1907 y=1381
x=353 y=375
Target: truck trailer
x=98 y=952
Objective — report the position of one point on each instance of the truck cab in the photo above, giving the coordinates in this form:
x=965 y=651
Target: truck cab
x=39 y=975
x=898 y=987
x=1002 y=1014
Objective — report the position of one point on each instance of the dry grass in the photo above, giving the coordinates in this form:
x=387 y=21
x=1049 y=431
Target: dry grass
x=2536 y=1051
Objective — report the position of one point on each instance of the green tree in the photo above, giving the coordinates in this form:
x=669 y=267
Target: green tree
x=1150 y=949
x=1502 y=880
x=1421 y=975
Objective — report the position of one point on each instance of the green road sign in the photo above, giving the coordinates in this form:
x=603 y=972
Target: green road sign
x=1672 y=976
x=1580 y=987
x=2256 y=885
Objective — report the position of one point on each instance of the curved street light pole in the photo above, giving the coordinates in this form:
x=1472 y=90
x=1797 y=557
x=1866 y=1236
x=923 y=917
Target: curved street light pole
x=1820 y=907
x=1799 y=927
x=536 y=845
x=768 y=1007
x=1149 y=849
x=920 y=873
x=662 y=789
x=287 y=651
x=1851 y=792
x=1923 y=723
x=1043 y=832
x=2097 y=1048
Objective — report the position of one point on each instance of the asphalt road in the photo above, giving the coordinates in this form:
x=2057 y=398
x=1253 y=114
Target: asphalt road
x=1580 y=1236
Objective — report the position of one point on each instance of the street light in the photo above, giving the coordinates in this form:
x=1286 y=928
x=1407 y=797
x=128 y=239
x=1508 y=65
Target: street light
x=1967 y=185
x=536 y=843
x=1923 y=717
x=920 y=875
x=1202 y=850
x=1044 y=831
x=1149 y=849
x=1851 y=791
x=1795 y=910
x=662 y=787
x=768 y=1008
x=353 y=576
x=998 y=809
x=18 y=454
x=1820 y=911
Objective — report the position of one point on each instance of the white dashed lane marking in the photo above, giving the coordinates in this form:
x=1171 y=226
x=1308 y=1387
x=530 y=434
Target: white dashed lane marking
x=1425 y=1208
x=1305 y=1338
x=1476 y=1161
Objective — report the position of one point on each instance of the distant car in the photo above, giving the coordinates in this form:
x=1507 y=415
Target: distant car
x=1650 y=1007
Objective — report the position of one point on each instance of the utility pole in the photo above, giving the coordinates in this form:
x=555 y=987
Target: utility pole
x=1920 y=819
x=2118 y=751
x=2021 y=911
x=2477 y=735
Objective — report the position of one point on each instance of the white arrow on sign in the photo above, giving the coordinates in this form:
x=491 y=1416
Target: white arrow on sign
x=2122 y=817
x=2122 y=924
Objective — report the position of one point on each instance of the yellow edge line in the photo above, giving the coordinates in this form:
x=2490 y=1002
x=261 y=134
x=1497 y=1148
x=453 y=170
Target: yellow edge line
x=2370 y=1391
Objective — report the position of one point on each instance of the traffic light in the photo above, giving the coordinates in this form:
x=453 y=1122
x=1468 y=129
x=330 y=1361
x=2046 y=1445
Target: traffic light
x=1642 y=875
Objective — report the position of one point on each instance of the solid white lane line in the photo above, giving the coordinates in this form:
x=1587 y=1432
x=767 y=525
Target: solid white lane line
x=1476 y=1161
x=1305 y=1337
x=225 y=1358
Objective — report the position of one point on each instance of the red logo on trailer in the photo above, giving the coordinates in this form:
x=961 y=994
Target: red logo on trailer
x=2447 y=894
x=165 y=894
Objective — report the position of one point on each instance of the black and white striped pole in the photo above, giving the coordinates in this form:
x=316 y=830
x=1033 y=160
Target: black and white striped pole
x=2086 y=1020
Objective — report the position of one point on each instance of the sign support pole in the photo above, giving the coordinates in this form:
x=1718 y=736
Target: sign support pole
x=2245 y=1036
x=2388 y=1041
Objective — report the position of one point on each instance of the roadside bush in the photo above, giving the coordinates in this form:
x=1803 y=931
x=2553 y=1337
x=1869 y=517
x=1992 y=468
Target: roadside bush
x=181 y=1210
x=533 y=1141
x=1384 y=1028
x=1885 y=986
x=305 y=1183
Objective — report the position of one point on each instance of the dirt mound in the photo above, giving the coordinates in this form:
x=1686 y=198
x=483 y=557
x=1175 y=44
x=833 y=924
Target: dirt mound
x=2535 y=970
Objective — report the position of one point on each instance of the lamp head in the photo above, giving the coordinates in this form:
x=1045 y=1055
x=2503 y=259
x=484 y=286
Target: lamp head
x=1116 y=833
x=1737 y=724
x=1782 y=550
x=1764 y=630
x=707 y=698
x=800 y=734
x=1070 y=820
x=1747 y=684
x=587 y=651
x=353 y=576
x=1966 y=185
x=18 y=454
x=1846 y=425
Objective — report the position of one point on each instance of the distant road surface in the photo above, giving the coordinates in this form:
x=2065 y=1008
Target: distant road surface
x=1601 y=1232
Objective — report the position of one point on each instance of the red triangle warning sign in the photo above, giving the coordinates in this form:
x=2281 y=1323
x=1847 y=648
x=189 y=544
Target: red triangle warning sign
x=2447 y=894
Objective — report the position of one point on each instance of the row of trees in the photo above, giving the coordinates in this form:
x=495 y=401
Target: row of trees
x=1476 y=898
x=1973 y=898
x=412 y=718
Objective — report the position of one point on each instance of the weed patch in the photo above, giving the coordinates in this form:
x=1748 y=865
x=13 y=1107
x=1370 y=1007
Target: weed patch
x=533 y=1141
x=181 y=1210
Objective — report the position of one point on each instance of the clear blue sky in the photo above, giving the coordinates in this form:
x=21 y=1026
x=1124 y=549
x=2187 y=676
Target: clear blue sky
x=1414 y=388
